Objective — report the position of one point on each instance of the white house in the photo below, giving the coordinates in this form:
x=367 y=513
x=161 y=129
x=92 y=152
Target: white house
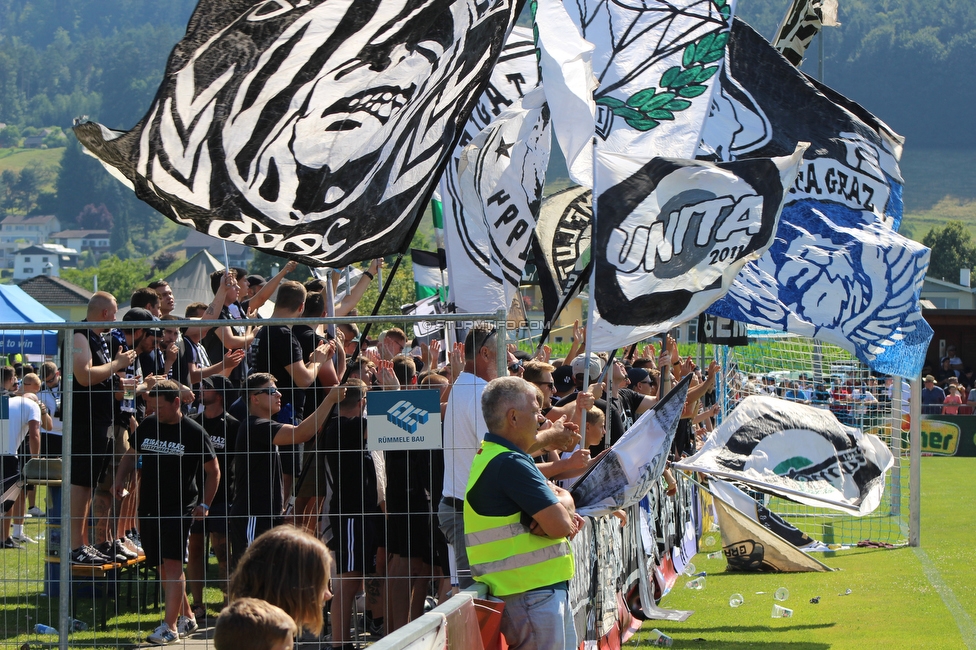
x=17 y=231
x=46 y=259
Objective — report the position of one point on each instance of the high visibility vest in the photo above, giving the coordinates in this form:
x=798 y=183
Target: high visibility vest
x=502 y=552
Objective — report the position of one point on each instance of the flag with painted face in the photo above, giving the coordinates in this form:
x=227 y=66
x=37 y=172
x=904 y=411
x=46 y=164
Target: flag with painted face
x=838 y=271
x=671 y=235
x=466 y=235
x=798 y=452
x=314 y=130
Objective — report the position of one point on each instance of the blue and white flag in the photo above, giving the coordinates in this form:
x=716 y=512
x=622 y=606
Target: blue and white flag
x=671 y=235
x=838 y=270
x=624 y=474
x=798 y=452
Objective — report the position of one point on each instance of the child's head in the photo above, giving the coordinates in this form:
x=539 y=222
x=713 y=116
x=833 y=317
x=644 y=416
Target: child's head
x=595 y=426
x=252 y=624
x=288 y=568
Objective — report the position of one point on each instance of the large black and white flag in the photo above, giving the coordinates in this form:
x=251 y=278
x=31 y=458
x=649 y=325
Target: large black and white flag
x=838 y=270
x=801 y=24
x=561 y=248
x=315 y=130
x=672 y=234
x=798 y=452
x=624 y=473
x=501 y=174
x=471 y=257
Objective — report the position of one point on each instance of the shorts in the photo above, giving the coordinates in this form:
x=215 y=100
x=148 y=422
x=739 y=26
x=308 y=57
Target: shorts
x=9 y=474
x=410 y=535
x=120 y=445
x=91 y=452
x=215 y=521
x=51 y=444
x=164 y=538
x=354 y=541
x=314 y=479
x=242 y=530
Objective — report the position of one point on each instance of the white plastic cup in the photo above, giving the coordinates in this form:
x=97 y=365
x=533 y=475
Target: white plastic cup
x=660 y=640
x=781 y=612
x=716 y=555
x=689 y=569
x=698 y=583
x=735 y=600
x=781 y=594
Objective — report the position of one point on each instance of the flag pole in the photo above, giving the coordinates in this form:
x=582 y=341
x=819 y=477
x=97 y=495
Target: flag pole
x=591 y=305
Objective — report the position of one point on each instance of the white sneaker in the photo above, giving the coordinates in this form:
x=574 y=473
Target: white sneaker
x=162 y=635
x=185 y=625
x=23 y=538
x=35 y=512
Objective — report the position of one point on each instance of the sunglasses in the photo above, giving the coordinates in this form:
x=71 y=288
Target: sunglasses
x=269 y=390
x=646 y=382
x=551 y=385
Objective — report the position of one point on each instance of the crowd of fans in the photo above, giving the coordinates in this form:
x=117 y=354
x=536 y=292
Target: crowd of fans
x=188 y=438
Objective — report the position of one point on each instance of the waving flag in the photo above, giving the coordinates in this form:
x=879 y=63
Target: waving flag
x=672 y=234
x=471 y=261
x=837 y=271
x=314 y=130
x=501 y=175
x=798 y=452
x=625 y=473
x=801 y=24
x=429 y=277
x=561 y=248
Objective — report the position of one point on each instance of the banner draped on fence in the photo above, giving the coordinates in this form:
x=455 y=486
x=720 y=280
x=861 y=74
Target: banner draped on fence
x=624 y=474
x=798 y=452
x=838 y=271
x=470 y=259
x=315 y=130
x=671 y=236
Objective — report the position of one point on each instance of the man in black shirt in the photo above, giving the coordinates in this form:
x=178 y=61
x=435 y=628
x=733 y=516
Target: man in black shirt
x=277 y=351
x=92 y=417
x=258 y=494
x=222 y=429
x=175 y=450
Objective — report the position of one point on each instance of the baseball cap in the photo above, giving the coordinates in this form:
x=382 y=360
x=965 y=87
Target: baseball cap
x=562 y=377
x=637 y=375
x=596 y=366
x=222 y=384
x=139 y=315
x=253 y=280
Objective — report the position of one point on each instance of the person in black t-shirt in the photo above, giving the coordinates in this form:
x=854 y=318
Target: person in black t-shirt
x=278 y=352
x=258 y=502
x=222 y=429
x=220 y=340
x=175 y=450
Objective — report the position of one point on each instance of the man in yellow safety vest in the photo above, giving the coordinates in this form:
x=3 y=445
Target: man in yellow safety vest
x=517 y=526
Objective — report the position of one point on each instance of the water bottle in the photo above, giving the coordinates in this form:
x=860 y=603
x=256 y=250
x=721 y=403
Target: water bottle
x=40 y=628
x=661 y=640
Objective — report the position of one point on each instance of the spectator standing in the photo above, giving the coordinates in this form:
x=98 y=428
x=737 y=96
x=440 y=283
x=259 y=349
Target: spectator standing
x=952 y=401
x=22 y=421
x=518 y=526
x=174 y=450
x=93 y=393
x=932 y=397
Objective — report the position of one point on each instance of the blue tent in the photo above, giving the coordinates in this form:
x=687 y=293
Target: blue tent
x=16 y=307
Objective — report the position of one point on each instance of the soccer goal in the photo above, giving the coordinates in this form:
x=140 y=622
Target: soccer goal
x=797 y=368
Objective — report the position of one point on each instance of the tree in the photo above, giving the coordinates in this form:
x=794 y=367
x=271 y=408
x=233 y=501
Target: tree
x=118 y=277
x=94 y=217
x=952 y=249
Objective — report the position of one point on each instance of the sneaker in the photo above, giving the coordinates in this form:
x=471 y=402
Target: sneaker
x=88 y=555
x=162 y=635
x=131 y=546
x=185 y=625
x=120 y=549
x=10 y=543
x=35 y=512
x=23 y=538
x=136 y=540
x=108 y=550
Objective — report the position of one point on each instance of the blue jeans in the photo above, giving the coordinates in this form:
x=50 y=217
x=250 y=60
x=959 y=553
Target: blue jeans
x=451 y=523
x=540 y=619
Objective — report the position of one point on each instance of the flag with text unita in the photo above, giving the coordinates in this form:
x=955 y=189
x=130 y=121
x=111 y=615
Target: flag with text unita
x=314 y=130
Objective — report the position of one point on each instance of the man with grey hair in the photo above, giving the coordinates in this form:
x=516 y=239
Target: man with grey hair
x=517 y=525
